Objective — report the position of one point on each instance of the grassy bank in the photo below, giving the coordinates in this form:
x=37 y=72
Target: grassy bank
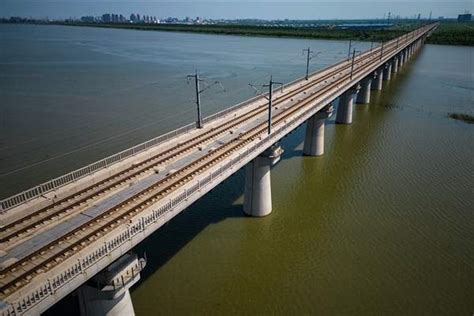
x=450 y=33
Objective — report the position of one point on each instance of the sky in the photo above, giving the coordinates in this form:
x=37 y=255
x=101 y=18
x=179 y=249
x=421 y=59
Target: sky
x=261 y=9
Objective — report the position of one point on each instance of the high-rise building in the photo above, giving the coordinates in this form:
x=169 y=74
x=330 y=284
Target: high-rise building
x=466 y=17
x=106 y=18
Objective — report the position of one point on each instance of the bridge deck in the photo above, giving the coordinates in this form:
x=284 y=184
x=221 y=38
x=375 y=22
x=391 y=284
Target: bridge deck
x=68 y=234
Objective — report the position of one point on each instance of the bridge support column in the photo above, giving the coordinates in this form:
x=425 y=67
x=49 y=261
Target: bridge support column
x=387 y=73
x=258 y=189
x=378 y=80
x=363 y=96
x=314 y=139
x=395 y=64
x=346 y=104
x=108 y=293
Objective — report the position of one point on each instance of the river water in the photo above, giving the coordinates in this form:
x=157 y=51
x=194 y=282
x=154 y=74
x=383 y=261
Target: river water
x=381 y=224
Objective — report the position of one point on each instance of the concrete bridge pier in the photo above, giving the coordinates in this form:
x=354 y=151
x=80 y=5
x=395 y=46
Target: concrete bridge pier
x=258 y=188
x=346 y=104
x=378 y=80
x=363 y=96
x=387 y=73
x=402 y=59
x=107 y=293
x=395 y=64
x=314 y=139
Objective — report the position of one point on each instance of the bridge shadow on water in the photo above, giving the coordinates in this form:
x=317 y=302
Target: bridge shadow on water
x=219 y=204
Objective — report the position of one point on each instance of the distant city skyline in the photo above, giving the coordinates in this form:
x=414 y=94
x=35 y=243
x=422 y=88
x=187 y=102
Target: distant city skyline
x=260 y=9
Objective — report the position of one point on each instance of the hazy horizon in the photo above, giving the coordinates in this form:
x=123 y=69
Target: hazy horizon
x=260 y=9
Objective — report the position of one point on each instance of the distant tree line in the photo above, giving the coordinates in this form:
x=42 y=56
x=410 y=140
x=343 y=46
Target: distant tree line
x=448 y=33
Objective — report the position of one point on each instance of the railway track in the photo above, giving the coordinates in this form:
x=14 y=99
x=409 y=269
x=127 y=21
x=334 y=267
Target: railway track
x=19 y=273
x=39 y=220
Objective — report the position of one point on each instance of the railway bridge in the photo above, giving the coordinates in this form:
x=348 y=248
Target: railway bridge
x=76 y=232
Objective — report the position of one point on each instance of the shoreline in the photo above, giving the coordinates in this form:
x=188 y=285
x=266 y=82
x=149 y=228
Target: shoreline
x=457 y=34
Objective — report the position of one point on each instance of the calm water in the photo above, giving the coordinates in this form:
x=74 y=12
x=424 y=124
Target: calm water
x=382 y=224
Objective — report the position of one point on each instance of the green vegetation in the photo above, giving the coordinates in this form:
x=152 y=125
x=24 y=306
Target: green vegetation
x=451 y=33
x=462 y=117
x=272 y=31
